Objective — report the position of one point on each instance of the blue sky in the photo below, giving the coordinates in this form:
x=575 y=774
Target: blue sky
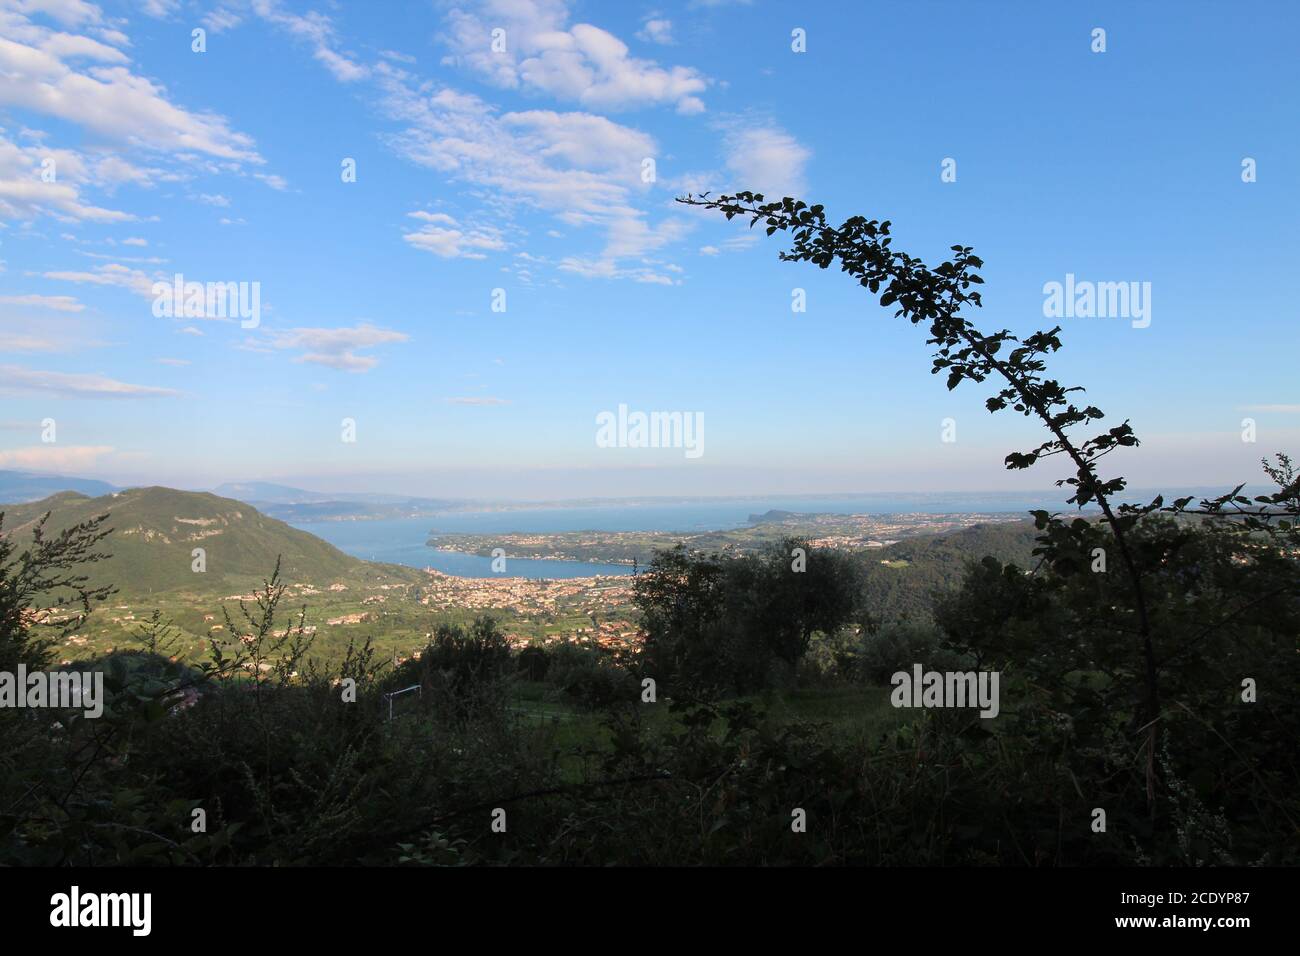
x=522 y=170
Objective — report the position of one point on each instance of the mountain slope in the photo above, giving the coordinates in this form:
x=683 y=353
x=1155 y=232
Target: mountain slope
x=903 y=579
x=156 y=530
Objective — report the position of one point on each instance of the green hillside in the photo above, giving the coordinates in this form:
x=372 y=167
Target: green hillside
x=155 y=531
x=903 y=579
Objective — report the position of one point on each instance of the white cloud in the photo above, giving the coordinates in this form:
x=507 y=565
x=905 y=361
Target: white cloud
x=69 y=13
x=1284 y=409
x=759 y=156
x=437 y=217
x=442 y=236
x=766 y=159
x=103 y=96
x=318 y=31
x=160 y=8
x=584 y=169
x=584 y=141
x=582 y=63
x=220 y=20
x=630 y=237
x=139 y=260
x=112 y=171
x=656 y=30
x=67 y=60
x=600 y=268
x=475 y=400
x=272 y=180
x=337 y=348
x=733 y=244
x=25 y=194
x=111 y=274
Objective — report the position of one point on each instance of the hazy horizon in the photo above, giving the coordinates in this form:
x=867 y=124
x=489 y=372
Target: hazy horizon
x=1133 y=492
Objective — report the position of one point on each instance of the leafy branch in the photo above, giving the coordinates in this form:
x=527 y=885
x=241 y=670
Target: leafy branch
x=936 y=296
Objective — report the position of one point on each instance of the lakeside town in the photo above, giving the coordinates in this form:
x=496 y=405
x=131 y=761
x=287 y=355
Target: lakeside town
x=601 y=599
x=400 y=614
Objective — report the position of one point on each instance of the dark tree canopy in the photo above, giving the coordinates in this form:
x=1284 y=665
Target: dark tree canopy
x=728 y=621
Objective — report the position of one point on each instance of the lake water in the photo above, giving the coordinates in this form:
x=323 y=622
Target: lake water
x=402 y=540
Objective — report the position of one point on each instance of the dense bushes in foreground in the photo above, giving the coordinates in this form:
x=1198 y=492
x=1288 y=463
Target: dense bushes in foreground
x=260 y=756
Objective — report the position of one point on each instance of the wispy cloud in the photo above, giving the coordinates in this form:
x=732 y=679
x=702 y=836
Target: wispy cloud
x=474 y=400
x=765 y=158
x=15 y=378
x=337 y=348
x=656 y=30
x=445 y=237
x=26 y=342
x=36 y=181
x=55 y=457
x=317 y=30
x=221 y=19
x=734 y=244
x=585 y=170
x=59 y=303
x=112 y=274
x=160 y=8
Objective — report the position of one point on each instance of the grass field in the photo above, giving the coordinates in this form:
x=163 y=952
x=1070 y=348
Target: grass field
x=855 y=714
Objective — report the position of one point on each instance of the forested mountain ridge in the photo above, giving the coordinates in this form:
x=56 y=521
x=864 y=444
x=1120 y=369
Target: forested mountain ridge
x=156 y=531
x=902 y=579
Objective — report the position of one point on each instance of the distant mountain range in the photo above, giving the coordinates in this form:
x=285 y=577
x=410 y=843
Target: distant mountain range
x=296 y=504
x=22 y=486
x=278 y=501
x=265 y=492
